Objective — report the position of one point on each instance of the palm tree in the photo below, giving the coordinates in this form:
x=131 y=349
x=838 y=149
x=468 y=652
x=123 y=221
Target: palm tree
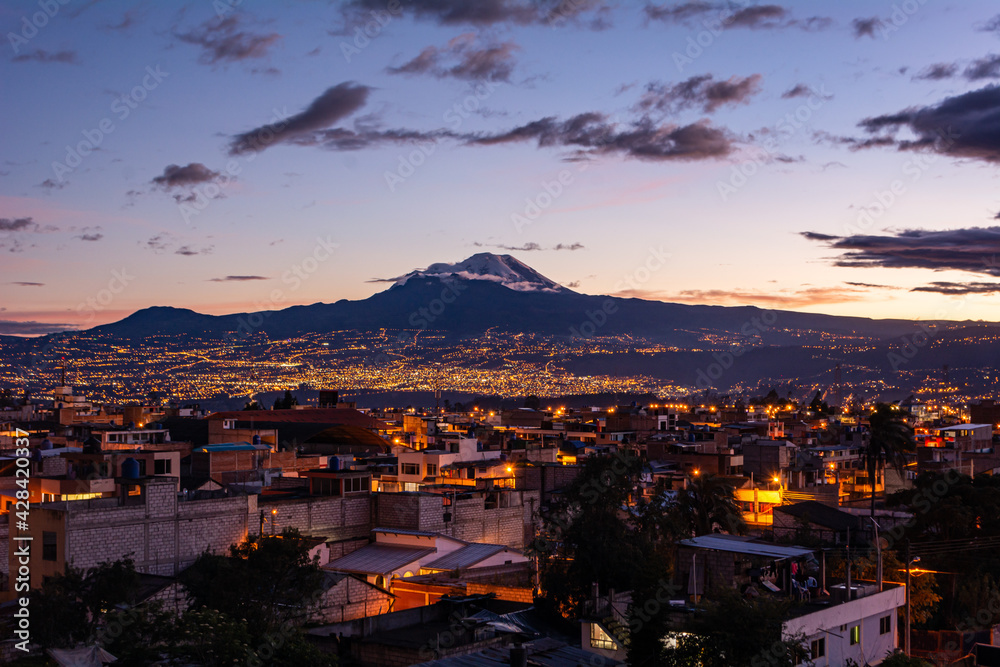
x=709 y=505
x=889 y=440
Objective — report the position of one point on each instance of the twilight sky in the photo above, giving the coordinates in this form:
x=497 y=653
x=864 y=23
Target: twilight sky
x=829 y=157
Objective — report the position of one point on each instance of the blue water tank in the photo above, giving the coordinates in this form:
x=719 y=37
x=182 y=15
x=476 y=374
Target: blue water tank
x=256 y=440
x=130 y=468
x=334 y=463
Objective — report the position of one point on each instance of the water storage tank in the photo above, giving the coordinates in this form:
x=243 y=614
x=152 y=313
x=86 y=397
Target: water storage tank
x=130 y=468
x=256 y=440
x=334 y=463
x=46 y=444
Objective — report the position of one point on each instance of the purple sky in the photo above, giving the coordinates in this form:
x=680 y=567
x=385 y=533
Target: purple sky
x=830 y=157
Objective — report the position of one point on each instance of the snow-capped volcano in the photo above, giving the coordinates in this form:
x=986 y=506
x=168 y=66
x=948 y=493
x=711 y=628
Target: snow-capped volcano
x=502 y=269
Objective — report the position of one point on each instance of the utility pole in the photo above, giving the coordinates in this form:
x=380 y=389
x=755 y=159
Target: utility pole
x=906 y=637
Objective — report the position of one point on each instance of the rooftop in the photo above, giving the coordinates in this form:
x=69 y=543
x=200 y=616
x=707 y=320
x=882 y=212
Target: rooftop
x=745 y=545
x=379 y=559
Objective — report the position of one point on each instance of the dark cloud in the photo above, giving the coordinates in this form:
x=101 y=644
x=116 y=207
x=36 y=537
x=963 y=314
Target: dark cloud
x=49 y=184
x=866 y=27
x=486 y=12
x=798 y=90
x=27 y=284
x=158 y=243
x=593 y=134
x=43 y=56
x=462 y=59
x=987 y=67
x=871 y=285
x=175 y=176
x=333 y=105
x=698 y=91
x=224 y=40
x=957 y=289
x=31 y=328
x=188 y=251
x=725 y=16
x=974 y=249
x=91 y=236
x=938 y=71
x=18 y=225
x=237 y=279
x=966 y=125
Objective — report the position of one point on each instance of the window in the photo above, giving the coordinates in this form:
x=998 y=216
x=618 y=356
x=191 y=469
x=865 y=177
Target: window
x=162 y=466
x=48 y=546
x=818 y=648
x=409 y=469
x=355 y=484
x=855 y=634
x=601 y=639
x=885 y=625
x=432 y=470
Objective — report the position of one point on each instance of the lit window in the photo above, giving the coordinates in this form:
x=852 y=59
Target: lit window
x=601 y=639
x=855 y=634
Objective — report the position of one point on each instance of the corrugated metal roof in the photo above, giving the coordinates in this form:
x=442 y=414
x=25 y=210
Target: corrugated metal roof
x=743 y=545
x=467 y=556
x=378 y=559
x=543 y=652
x=418 y=533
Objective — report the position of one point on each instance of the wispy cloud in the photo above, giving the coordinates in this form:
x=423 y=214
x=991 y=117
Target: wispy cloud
x=26 y=284
x=810 y=296
x=31 y=328
x=223 y=39
x=531 y=246
x=463 y=58
x=698 y=91
x=43 y=56
x=958 y=289
x=237 y=279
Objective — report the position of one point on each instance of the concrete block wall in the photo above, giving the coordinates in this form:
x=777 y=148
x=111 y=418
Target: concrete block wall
x=161 y=536
x=329 y=516
x=350 y=599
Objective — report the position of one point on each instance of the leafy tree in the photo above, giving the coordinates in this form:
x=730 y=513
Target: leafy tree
x=209 y=637
x=264 y=579
x=532 y=402
x=70 y=606
x=708 y=505
x=732 y=630
x=889 y=440
x=289 y=401
x=252 y=405
x=900 y=659
x=923 y=588
x=818 y=405
x=585 y=539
